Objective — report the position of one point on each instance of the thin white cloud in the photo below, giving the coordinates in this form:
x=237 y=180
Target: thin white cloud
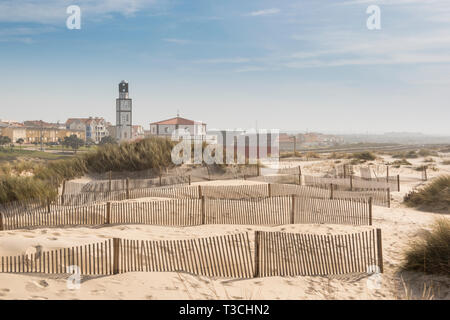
x=223 y=61
x=264 y=12
x=54 y=11
x=177 y=41
x=249 y=69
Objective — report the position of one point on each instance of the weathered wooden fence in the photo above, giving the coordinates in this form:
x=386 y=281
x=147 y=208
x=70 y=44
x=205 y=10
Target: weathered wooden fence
x=355 y=183
x=290 y=254
x=379 y=196
x=189 y=212
x=229 y=256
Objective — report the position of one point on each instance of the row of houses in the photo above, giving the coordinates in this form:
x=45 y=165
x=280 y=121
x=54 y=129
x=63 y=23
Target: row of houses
x=32 y=133
x=88 y=129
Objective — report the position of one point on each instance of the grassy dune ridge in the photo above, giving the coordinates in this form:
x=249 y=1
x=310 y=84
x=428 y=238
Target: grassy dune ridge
x=430 y=253
x=41 y=180
x=435 y=196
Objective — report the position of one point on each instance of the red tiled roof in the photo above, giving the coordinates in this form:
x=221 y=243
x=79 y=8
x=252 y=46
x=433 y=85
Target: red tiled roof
x=176 y=120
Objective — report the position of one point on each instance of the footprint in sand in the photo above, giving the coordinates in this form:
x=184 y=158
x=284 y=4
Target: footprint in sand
x=95 y=292
x=57 y=234
x=52 y=238
x=36 y=286
x=5 y=290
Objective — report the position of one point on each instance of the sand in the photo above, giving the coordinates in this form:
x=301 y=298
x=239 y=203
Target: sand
x=399 y=225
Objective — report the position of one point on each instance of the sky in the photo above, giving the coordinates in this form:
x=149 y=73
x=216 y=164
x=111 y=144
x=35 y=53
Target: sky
x=304 y=65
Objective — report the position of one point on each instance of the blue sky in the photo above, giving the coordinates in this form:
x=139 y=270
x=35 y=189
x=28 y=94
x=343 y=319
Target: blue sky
x=291 y=65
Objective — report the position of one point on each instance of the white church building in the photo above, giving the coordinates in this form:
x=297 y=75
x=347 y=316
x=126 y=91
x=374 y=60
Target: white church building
x=165 y=128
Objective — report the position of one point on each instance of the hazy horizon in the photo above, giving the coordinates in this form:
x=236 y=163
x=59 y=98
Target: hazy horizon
x=297 y=66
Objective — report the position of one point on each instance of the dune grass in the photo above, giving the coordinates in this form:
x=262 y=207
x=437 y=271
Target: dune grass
x=431 y=252
x=43 y=179
x=435 y=196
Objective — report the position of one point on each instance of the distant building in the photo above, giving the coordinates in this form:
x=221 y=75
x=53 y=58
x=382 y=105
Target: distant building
x=124 y=123
x=15 y=132
x=165 y=128
x=94 y=128
x=138 y=132
x=38 y=134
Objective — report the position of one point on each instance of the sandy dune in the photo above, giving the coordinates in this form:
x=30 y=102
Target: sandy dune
x=399 y=225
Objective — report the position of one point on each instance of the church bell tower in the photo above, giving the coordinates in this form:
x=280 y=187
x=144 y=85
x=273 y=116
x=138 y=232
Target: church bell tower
x=123 y=113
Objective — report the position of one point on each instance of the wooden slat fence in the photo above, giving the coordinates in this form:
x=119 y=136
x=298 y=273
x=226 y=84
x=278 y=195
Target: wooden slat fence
x=72 y=216
x=228 y=256
x=179 y=212
x=189 y=212
x=91 y=259
x=380 y=197
x=353 y=183
x=290 y=254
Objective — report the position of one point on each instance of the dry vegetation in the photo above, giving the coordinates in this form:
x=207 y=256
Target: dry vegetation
x=435 y=196
x=42 y=179
x=431 y=253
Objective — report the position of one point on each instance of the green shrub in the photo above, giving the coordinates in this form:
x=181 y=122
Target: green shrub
x=364 y=156
x=154 y=153
x=398 y=163
x=427 y=153
x=405 y=155
x=430 y=253
x=434 y=196
x=22 y=188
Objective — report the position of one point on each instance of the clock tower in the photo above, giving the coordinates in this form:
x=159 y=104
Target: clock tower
x=123 y=113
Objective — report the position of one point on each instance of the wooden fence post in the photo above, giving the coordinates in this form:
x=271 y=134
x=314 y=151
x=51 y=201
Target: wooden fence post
x=48 y=205
x=380 y=251
x=256 y=274
x=398 y=183
x=370 y=211
x=299 y=175
x=189 y=179
x=128 y=188
x=1 y=221
x=387 y=173
x=293 y=209
x=331 y=191
x=269 y=190
x=258 y=169
x=63 y=187
x=200 y=192
x=389 y=197
x=116 y=251
x=160 y=180
x=110 y=180
x=295 y=146
x=108 y=212
x=203 y=210
x=351 y=182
